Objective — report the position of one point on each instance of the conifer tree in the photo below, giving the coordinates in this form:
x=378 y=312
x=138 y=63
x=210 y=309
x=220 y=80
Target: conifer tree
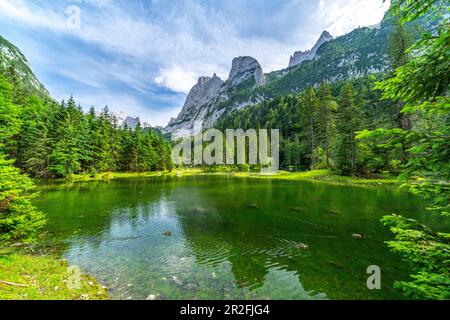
x=19 y=220
x=310 y=105
x=347 y=123
x=327 y=107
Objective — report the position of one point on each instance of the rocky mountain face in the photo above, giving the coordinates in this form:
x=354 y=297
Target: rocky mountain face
x=206 y=99
x=244 y=69
x=359 y=53
x=130 y=123
x=300 y=56
x=206 y=89
x=14 y=64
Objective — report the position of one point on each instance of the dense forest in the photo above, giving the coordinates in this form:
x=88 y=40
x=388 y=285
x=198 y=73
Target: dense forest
x=318 y=127
x=54 y=140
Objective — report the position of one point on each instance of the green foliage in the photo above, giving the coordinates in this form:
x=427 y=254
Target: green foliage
x=327 y=106
x=428 y=253
x=426 y=76
x=18 y=218
x=316 y=132
x=410 y=10
x=347 y=123
x=399 y=44
x=9 y=122
x=422 y=84
x=48 y=139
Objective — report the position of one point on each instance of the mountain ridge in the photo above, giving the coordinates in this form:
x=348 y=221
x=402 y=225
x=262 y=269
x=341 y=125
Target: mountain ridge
x=12 y=60
x=300 y=56
x=359 y=53
x=245 y=73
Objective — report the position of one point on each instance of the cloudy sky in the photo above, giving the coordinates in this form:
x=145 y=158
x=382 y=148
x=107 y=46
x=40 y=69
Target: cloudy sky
x=141 y=57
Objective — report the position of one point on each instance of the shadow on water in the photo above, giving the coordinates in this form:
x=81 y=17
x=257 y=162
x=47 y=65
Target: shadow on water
x=227 y=238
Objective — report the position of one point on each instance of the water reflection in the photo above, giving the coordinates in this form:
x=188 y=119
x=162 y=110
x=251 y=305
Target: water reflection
x=230 y=238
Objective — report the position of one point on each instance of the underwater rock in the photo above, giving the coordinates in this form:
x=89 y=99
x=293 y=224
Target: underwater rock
x=191 y=286
x=167 y=233
x=199 y=211
x=335 y=264
x=177 y=280
x=302 y=246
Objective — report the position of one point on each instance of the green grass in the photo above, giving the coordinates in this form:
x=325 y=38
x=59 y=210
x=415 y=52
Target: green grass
x=319 y=176
x=43 y=277
x=322 y=176
x=106 y=176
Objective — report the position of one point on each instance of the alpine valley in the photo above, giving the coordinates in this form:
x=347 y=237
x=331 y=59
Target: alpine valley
x=95 y=205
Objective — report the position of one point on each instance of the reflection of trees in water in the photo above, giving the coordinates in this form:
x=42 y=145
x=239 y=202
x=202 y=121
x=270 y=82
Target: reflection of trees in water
x=85 y=209
x=222 y=227
x=218 y=225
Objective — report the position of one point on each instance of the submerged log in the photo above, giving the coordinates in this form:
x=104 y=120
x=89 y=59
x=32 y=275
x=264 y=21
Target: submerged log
x=302 y=246
x=199 y=211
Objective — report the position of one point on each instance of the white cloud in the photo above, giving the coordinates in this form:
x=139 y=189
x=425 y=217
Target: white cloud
x=341 y=16
x=176 y=79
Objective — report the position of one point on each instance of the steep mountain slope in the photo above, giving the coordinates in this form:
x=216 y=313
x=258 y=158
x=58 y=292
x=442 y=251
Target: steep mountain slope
x=299 y=56
x=14 y=64
x=208 y=97
x=130 y=123
x=357 y=54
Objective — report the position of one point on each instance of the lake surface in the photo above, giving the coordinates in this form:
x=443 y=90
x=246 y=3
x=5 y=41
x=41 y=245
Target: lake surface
x=230 y=238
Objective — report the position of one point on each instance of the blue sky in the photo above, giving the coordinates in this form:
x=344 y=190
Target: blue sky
x=141 y=57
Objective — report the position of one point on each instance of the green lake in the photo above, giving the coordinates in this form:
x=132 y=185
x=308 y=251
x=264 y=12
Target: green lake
x=219 y=237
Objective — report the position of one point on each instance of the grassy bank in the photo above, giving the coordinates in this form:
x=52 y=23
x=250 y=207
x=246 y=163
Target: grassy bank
x=319 y=176
x=322 y=176
x=25 y=276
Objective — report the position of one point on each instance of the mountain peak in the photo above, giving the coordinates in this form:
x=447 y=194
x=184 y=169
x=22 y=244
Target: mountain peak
x=244 y=68
x=326 y=34
x=205 y=89
x=301 y=56
x=130 y=123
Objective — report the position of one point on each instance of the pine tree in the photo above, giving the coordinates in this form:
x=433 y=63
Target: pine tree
x=327 y=107
x=19 y=220
x=310 y=106
x=347 y=123
x=399 y=44
x=66 y=155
